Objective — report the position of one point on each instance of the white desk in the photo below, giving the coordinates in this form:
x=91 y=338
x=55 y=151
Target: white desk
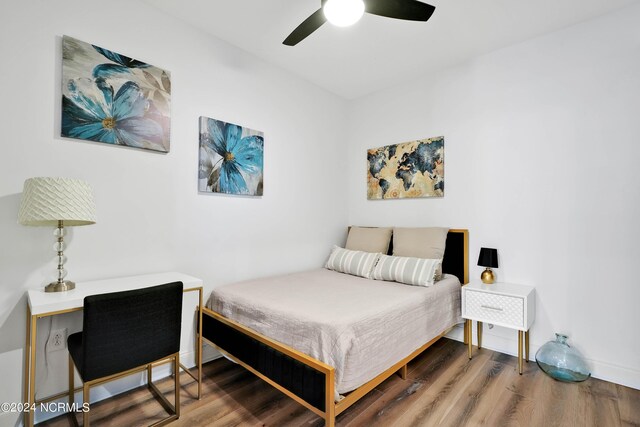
x=43 y=304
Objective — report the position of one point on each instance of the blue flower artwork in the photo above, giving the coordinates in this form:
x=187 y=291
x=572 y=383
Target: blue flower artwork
x=113 y=99
x=231 y=158
x=406 y=170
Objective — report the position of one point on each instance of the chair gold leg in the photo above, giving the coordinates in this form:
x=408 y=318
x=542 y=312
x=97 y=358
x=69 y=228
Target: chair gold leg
x=149 y=373
x=71 y=385
x=86 y=400
x=176 y=369
x=526 y=346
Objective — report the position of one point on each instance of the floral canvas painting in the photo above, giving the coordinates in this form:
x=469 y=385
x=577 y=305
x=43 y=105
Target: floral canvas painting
x=111 y=98
x=231 y=158
x=407 y=170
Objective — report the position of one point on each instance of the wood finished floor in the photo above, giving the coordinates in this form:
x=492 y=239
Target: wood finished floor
x=443 y=388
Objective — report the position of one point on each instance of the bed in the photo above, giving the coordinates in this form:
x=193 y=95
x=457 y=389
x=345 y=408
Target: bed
x=326 y=338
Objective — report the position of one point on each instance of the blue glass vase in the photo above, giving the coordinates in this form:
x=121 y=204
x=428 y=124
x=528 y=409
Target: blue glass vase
x=562 y=362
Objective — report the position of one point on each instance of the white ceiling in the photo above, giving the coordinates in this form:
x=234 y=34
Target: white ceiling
x=379 y=52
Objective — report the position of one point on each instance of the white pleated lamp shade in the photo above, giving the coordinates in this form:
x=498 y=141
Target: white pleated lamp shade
x=45 y=201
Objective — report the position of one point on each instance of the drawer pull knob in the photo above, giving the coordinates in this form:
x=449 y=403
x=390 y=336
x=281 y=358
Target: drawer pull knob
x=491 y=308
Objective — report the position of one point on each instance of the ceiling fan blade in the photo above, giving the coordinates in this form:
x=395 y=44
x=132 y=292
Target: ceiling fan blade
x=307 y=27
x=411 y=10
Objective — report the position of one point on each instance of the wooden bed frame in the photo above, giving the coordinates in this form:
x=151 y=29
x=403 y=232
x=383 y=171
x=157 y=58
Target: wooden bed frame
x=305 y=379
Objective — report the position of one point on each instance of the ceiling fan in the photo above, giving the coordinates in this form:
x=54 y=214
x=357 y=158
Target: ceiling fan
x=347 y=12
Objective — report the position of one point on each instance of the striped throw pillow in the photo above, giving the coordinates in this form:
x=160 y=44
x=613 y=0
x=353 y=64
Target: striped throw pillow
x=357 y=263
x=408 y=270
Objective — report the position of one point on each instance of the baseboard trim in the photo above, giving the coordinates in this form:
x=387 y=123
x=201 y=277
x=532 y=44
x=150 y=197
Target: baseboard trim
x=621 y=375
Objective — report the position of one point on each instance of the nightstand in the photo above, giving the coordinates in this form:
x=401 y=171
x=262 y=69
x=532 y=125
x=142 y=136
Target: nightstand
x=502 y=304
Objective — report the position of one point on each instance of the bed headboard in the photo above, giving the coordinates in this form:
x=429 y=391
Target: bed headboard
x=456 y=254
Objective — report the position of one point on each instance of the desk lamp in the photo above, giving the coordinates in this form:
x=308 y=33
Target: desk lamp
x=57 y=202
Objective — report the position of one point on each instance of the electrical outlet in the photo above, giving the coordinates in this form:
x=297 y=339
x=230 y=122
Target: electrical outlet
x=57 y=340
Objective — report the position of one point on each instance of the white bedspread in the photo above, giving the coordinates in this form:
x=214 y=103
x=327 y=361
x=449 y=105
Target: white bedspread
x=359 y=326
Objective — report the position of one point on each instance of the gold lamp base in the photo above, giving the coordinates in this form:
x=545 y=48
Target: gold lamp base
x=62 y=286
x=487 y=276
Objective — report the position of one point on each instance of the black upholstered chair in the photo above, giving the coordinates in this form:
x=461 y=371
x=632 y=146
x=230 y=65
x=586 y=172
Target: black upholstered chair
x=128 y=332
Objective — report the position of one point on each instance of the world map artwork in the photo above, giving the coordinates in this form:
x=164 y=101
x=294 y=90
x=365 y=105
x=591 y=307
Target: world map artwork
x=407 y=170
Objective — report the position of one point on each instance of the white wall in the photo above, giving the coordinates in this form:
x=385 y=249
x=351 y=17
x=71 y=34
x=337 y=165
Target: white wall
x=541 y=162
x=150 y=216
x=541 y=146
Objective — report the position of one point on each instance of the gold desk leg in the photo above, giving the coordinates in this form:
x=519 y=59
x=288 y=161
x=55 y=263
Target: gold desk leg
x=479 y=335
x=32 y=375
x=520 y=352
x=27 y=367
x=199 y=351
x=198 y=342
x=470 y=336
x=526 y=346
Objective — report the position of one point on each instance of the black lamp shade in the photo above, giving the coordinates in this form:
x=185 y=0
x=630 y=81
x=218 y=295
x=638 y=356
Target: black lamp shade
x=488 y=257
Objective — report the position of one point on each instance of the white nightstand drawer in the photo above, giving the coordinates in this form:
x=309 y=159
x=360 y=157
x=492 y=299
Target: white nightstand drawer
x=488 y=307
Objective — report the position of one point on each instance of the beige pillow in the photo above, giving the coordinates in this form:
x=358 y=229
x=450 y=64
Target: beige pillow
x=425 y=242
x=369 y=239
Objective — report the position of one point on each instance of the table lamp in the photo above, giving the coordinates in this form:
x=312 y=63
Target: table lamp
x=488 y=258
x=57 y=202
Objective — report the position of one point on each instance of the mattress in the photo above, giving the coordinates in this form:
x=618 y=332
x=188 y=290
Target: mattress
x=359 y=326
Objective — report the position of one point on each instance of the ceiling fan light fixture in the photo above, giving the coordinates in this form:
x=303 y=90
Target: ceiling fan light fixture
x=343 y=13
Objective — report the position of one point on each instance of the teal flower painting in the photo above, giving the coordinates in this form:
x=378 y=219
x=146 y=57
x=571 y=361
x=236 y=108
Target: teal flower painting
x=111 y=98
x=231 y=158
